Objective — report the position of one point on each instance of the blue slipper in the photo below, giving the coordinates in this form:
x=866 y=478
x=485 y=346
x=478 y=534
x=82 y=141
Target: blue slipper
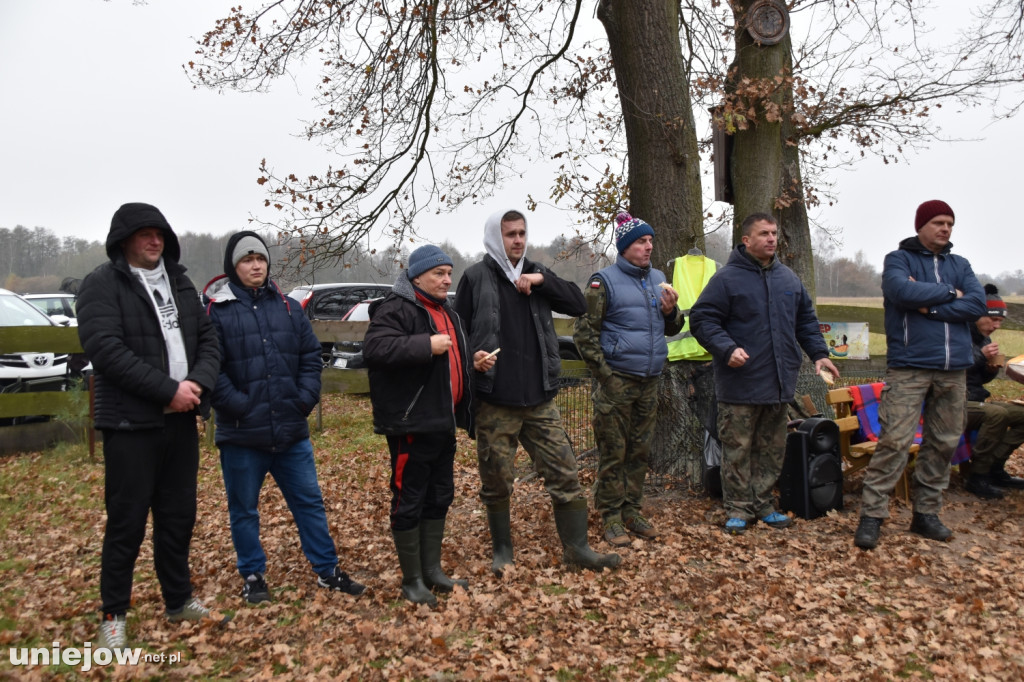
x=735 y=526
x=777 y=520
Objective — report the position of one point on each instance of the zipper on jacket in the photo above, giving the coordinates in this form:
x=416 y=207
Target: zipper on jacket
x=945 y=325
x=413 y=403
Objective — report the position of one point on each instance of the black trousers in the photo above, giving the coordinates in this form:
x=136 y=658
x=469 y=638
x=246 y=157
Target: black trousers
x=422 y=471
x=151 y=469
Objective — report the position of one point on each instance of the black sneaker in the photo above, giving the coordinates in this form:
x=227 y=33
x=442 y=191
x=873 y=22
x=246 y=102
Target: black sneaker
x=255 y=589
x=340 y=582
x=868 y=529
x=929 y=526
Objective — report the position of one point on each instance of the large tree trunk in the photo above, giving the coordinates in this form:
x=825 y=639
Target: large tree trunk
x=653 y=85
x=795 y=242
x=765 y=159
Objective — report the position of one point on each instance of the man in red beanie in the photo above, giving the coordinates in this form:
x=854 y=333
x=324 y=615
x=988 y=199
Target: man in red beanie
x=932 y=300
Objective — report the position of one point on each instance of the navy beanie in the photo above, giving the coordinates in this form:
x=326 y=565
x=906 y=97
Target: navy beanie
x=628 y=229
x=426 y=258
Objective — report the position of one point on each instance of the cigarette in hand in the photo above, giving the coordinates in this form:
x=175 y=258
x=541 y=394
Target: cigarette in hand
x=492 y=354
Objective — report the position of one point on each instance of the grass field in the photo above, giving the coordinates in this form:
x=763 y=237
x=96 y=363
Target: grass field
x=1011 y=343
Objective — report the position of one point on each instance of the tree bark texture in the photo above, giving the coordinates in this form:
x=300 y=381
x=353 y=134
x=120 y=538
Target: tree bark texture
x=765 y=161
x=653 y=86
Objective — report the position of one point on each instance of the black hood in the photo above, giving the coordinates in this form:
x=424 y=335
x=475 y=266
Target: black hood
x=131 y=218
x=229 y=267
x=914 y=244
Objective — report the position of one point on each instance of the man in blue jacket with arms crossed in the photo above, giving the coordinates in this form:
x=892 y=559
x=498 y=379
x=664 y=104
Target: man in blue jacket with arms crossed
x=932 y=299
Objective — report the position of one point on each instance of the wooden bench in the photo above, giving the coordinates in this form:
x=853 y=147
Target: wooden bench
x=857 y=455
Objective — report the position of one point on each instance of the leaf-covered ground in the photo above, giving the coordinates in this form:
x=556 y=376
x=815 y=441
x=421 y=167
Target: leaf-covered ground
x=772 y=605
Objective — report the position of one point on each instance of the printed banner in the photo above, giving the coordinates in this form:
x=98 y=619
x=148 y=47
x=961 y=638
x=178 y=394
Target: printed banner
x=847 y=340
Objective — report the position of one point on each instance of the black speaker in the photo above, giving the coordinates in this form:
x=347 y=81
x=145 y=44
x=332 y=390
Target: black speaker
x=811 y=482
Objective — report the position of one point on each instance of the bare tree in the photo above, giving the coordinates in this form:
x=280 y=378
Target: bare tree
x=426 y=105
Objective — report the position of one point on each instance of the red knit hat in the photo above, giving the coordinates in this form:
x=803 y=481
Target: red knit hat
x=994 y=304
x=929 y=210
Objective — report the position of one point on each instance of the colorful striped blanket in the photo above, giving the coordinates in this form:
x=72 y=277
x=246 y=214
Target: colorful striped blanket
x=865 y=405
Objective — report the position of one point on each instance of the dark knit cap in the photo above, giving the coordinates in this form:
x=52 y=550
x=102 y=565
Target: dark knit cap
x=628 y=229
x=994 y=304
x=929 y=210
x=425 y=258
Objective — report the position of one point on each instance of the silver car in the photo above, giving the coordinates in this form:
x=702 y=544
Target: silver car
x=24 y=370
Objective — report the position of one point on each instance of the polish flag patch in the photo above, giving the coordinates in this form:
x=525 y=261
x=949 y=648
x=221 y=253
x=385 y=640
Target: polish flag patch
x=595 y=284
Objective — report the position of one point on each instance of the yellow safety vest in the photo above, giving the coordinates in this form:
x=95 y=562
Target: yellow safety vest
x=689 y=277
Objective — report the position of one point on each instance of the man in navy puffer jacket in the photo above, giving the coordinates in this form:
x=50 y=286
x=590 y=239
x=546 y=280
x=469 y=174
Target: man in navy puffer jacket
x=757 y=320
x=932 y=300
x=269 y=383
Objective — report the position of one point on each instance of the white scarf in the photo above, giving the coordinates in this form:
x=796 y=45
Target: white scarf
x=157 y=285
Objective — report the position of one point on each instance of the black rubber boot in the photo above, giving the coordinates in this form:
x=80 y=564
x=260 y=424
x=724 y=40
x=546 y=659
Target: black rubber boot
x=431 y=535
x=407 y=542
x=571 y=522
x=1000 y=478
x=499 y=519
x=929 y=526
x=867 y=533
x=981 y=486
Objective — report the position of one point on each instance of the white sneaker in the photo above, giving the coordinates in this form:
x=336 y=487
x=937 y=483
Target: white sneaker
x=113 y=633
x=195 y=611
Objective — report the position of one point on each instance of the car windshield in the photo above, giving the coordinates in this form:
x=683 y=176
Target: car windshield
x=359 y=313
x=15 y=312
x=51 y=306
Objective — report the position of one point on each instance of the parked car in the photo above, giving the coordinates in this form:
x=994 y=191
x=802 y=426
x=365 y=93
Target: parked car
x=26 y=370
x=332 y=302
x=349 y=354
x=57 y=306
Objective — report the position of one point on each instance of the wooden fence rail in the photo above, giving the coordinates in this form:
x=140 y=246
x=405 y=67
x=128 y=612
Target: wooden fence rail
x=65 y=340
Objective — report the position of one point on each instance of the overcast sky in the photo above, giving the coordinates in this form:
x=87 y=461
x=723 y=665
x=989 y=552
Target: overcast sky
x=97 y=111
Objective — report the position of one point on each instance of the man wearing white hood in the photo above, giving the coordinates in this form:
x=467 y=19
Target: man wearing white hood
x=505 y=302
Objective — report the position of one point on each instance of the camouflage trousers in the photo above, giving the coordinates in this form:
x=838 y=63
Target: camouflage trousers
x=1000 y=429
x=625 y=408
x=753 y=448
x=944 y=395
x=500 y=429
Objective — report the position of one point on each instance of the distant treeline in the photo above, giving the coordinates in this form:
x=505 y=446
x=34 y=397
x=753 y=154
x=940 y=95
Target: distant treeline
x=37 y=261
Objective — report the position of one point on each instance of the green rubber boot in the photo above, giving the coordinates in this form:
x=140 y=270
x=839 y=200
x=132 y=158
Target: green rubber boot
x=571 y=521
x=407 y=542
x=431 y=535
x=499 y=519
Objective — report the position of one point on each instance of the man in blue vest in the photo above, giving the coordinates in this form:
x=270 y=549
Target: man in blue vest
x=757 y=320
x=621 y=337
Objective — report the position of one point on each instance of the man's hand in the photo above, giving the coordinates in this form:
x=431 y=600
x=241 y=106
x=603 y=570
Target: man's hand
x=825 y=363
x=440 y=343
x=187 y=396
x=738 y=358
x=525 y=283
x=669 y=299
x=990 y=351
x=483 y=361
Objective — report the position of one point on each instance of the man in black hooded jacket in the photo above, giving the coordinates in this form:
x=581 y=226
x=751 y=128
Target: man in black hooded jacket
x=156 y=359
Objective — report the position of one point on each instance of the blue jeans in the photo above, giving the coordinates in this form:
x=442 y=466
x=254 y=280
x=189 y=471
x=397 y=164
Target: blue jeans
x=294 y=470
